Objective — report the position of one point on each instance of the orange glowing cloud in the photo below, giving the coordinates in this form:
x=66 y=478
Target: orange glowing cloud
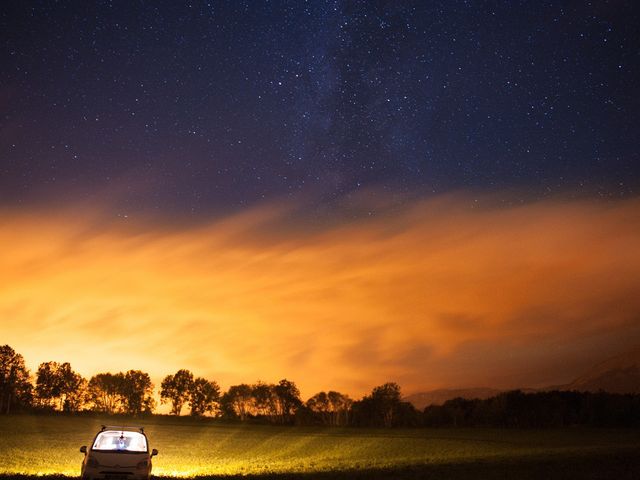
x=443 y=292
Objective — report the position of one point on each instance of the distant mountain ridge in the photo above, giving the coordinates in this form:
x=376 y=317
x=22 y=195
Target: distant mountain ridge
x=619 y=374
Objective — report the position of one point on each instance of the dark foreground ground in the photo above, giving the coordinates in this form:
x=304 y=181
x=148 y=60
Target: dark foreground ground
x=621 y=465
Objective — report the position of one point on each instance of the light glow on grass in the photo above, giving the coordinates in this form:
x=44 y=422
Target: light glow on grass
x=40 y=445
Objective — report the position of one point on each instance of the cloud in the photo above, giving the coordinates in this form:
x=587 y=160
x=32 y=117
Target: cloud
x=450 y=291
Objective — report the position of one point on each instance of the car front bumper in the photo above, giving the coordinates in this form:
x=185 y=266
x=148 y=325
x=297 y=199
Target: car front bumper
x=109 y=473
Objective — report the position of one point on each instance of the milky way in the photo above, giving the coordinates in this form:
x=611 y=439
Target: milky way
x=209 y=106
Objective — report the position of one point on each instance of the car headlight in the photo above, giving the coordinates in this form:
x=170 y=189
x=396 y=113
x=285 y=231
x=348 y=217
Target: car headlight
x=93 y=463
x=142 y=464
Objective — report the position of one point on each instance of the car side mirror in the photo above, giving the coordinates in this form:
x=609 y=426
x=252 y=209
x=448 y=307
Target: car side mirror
x=154 y=452
x=83 y=449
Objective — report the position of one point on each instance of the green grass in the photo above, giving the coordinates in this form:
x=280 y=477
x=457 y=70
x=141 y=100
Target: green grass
x=48 y=445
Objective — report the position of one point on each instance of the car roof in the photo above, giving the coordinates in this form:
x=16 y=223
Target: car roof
x=121 y=428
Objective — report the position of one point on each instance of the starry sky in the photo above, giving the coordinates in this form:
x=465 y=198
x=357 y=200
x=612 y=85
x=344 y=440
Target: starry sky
x=300 y=169
x=205 y=106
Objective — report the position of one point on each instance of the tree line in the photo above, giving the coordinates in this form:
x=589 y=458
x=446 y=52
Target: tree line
x=57 y=387
x=517 y=409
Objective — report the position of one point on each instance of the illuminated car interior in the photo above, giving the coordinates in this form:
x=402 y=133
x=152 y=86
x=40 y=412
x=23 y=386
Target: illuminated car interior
x=120 y=442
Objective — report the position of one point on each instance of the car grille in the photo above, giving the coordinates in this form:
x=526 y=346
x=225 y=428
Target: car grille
x=116 y=475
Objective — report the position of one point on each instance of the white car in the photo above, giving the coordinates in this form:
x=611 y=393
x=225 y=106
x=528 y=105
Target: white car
x=118 y=453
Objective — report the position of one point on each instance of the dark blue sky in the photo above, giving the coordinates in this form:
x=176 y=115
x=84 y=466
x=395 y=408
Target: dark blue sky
x=209 y=106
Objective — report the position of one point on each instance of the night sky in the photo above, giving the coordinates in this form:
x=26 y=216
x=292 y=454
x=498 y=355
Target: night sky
x=203 y=107
x=443 y=194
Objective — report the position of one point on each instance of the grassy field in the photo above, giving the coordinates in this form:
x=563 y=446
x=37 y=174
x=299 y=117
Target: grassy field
x=46 y=445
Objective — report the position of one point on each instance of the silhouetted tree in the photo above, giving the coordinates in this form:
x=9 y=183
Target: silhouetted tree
x=176 y=389
x=539 y=409
x=137 y=393
x=203 y=396
x=104 y=392
x=319 y=404
x=339 y=405
x=330 y=408
x=386 y=400
x=58 y=386
x=287 y=399
x=460 y=411
x=363 y=413
x=75 y=396
x=434 y=416
x=264 y=399
x=407 y=415
x=383 y=408
x=15 y=387
x=238 y=401
x=47 y=384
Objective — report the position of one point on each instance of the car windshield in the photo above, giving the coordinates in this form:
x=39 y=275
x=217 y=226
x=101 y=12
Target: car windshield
x=120 y=442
